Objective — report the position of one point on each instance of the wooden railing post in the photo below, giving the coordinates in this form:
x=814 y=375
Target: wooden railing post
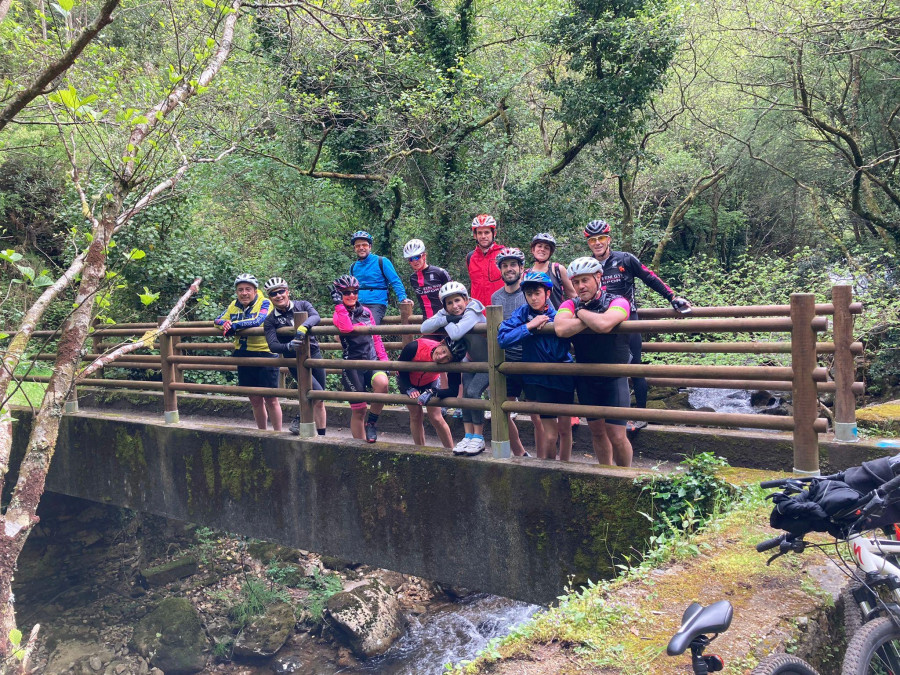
x=304 y=383
x=170 y=396
x=844 y=366
x=804 y=396
x=406 y=310
x=497 y=381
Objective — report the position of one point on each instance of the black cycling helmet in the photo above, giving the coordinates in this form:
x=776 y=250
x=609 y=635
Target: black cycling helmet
x=457 y=348
x=597 y=228
x=544 y=238
x=346 y=283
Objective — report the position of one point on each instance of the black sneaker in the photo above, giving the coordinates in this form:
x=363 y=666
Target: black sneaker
x=295 y=426
x=371 y=433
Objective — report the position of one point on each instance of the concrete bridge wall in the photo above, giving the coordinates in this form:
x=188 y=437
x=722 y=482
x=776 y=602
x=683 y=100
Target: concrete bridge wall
x=520 y=529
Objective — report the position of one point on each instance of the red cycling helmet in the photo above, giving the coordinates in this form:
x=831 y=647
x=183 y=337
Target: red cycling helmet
x=484 y=220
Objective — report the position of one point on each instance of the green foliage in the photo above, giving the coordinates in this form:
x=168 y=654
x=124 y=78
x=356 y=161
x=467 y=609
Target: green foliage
x=254 y=597
x=321 y=587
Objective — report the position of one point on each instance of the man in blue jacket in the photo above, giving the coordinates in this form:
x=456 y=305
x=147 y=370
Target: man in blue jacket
x=375 y=274
x=522 y=329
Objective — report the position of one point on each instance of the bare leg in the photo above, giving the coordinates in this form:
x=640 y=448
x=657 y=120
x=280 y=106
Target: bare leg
x=379 y=386
x=515 y=443
x=621 y=446
x=538 y=426
x=602 y=447
x=273 y=408
x=259 y=411
x=440 y=426
x=565 y=439
x=478 y=429
x=319 y=414
x=416 y=426
x=357 y=423
x=551 y=431
x=468 y=427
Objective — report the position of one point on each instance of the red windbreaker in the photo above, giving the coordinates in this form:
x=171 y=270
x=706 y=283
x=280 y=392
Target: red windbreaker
x=484 y=275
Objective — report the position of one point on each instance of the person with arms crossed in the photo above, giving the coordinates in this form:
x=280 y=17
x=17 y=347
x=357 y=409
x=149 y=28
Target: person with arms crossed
x=511 y=262
x=249 y=309
x=375 y=274
x=587 y=322
x=349 y=313
x=281 y=316
x=521 y=329
x=619 y=272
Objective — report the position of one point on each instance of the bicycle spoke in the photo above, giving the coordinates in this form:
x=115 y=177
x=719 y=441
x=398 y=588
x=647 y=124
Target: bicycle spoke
x=886 y=660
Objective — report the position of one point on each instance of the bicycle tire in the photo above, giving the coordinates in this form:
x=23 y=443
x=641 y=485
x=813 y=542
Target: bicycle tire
x=852 y=615
x=783 y=664
x=874 y=650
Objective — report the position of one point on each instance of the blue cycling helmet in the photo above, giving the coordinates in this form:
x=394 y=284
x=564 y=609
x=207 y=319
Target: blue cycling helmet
x=537 y=279
x=360 y=234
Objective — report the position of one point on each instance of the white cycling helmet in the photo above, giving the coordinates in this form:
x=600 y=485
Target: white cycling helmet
x=246 y=279
x=273 y=283
x=413 y=247
x=584 y=265
x=452 y=288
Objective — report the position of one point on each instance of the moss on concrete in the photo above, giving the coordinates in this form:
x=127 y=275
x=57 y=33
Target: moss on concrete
x=882 y=417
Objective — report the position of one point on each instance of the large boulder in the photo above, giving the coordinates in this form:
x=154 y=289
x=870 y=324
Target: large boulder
x=266 y=634
x=172 y=637
x=366 y=617
x=880 y=417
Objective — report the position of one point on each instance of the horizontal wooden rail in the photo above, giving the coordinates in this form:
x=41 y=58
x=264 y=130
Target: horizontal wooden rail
x=644 y=370
x=825 y=308
x=711 y=419
x=739 y=347
x=229 y=389
x=405 y=366
x=768 y=385
x=360 y=397
x=112 y=384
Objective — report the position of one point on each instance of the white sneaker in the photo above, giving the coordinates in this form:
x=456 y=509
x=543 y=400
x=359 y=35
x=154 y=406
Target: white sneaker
x=460 y=448
x=475 y=446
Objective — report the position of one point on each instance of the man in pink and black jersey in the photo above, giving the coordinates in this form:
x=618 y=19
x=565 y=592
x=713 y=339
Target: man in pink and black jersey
x=426 y=280
x=620 y=269
x=599 y=311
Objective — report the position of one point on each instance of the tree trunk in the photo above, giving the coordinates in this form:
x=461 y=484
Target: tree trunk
x=626 y=196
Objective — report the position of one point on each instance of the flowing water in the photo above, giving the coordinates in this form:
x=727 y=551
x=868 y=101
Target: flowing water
x=721 y=400
x=451 y=634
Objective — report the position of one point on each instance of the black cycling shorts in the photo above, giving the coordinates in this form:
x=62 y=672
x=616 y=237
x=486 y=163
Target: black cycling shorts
x=606 y=391
x=318 y=374
x=515 y=386
x=256 y=376
x=541 y=394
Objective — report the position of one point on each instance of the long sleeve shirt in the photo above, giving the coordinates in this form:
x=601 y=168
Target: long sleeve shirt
x=376 y=274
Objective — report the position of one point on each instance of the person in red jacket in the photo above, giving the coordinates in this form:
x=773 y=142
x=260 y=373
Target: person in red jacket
x=484 y=275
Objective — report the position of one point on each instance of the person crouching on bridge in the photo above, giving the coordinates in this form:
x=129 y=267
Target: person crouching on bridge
x=282 y=316
x=349 y=313
x=458 y=317
x=522 y=329
x=422 y=387
x=249 y=310
x=587 y=321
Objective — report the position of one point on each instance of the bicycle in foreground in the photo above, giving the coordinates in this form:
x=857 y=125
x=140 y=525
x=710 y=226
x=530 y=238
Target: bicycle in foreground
x=825 y=505
x=698 y=622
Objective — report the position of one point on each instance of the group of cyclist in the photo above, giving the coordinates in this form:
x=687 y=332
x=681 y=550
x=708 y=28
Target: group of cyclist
x=582 y=303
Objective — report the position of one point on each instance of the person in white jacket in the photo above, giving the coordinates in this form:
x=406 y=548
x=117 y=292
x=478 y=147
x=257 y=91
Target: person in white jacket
x=459 y=315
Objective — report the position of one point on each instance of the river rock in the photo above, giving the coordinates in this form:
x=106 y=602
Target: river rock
x=79 y=657
x=266 y=634
x=366 y=617
x=287 y=664
x=762 y=399
x=780 y=410
x=880 y=417
x=172 y=637
x=170 y=571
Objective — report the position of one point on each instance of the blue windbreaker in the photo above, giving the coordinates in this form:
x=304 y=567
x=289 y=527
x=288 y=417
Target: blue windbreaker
x=537 y=348
x=373 y=285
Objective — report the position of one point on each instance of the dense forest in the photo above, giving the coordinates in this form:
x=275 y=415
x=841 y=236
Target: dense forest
x=749 y=150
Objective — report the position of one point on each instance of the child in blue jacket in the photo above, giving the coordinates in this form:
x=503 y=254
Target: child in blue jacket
x=520 y=328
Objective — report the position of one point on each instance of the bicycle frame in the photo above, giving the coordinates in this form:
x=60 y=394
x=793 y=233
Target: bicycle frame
x=869 y=554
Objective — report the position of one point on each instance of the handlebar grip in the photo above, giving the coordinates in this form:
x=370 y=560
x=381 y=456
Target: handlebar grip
x=778 y=482
x=889 y=487
x=769 y=544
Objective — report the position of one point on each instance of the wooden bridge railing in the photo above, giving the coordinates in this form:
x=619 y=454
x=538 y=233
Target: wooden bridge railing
x=803 y=319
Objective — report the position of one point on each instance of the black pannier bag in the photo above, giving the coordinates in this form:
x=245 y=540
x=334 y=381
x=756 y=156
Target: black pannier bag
x=812 y=509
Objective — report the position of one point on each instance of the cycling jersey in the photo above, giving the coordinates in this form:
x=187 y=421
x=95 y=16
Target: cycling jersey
x=426 y=283
x=358 y=347
x=418 y=351
x=375 y=274
x=619 y=272
x=251 y=316
x=537 y=347
x=279 y=319
x=593 y=347
x=484 y=275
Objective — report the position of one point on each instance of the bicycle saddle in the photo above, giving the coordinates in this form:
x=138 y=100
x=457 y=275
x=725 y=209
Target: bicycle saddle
x=698 y=620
